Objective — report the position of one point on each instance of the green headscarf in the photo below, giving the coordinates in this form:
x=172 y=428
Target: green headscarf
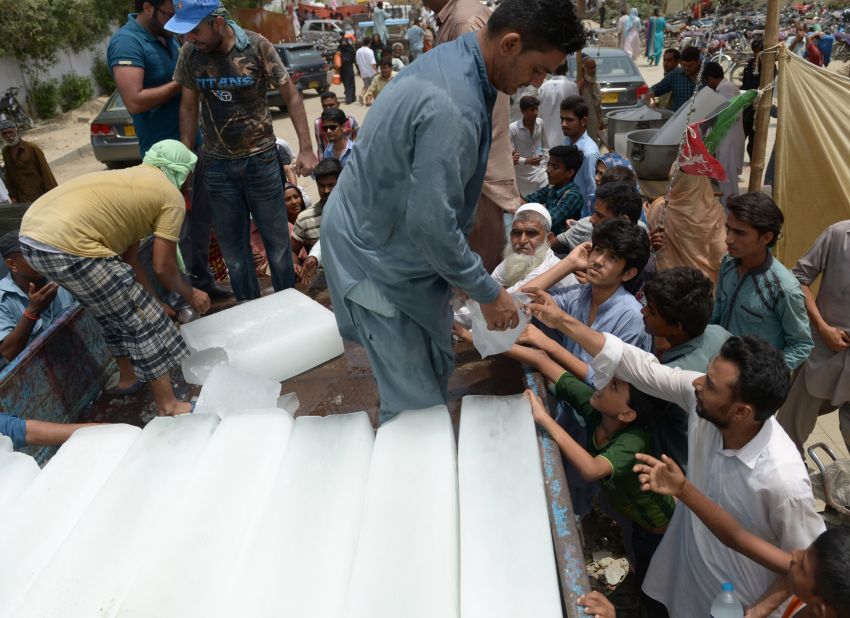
x=173 y=158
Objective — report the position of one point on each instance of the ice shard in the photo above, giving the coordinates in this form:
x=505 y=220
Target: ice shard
x=228 y=389
x=507 y=561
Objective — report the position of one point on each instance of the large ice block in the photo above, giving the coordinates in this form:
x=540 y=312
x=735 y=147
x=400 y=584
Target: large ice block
x=189 y=565
x=407 y=554
x=16 y=472
x=89 y=573
x=507 y=563
x=277 y=336
x=40 y=519
x=6 y=445
x=300 y=559
x=228 y=390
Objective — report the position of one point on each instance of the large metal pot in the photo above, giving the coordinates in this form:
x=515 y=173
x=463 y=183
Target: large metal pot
x=651 y=161
x=619 y=125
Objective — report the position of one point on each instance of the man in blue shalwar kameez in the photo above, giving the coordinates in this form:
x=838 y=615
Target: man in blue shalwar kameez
x=394 y=229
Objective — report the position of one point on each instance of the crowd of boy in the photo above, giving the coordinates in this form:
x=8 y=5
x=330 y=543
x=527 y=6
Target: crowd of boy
x=668 y=383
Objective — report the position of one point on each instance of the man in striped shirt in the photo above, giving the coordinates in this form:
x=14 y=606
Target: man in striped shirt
x=305 y=232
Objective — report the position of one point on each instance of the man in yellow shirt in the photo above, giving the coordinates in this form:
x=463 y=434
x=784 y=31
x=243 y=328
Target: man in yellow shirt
x=85 y=234
x=381 y=80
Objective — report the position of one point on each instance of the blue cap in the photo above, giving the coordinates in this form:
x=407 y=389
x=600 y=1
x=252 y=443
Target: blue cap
x=728 y=587
x=189 y=13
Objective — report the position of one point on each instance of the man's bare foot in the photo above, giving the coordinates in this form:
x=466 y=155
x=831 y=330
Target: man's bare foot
x=175 y=408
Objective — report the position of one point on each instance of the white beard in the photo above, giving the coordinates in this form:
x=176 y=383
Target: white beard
x=517 y=266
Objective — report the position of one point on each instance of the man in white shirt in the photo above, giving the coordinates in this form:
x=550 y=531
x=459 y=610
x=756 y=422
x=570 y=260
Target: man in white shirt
x=551 y=93
x=529 y=145
x=366 y=64
x=527 y=254
x=739 y=456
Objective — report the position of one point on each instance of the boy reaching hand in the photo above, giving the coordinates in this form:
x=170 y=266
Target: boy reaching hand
x=817 y=579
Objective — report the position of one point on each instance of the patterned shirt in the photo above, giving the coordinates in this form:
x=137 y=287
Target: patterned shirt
x=562 y=203
x=350 y=128
x=307 y=225
x=679 y=84
x=235 y=117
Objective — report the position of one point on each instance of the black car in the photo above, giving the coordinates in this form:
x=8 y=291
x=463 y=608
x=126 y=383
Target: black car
x=307 y=69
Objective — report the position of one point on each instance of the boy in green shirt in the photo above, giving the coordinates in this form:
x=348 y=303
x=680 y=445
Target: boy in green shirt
x=614 y=417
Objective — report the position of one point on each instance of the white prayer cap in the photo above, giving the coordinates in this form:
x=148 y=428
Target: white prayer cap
x=540 y=209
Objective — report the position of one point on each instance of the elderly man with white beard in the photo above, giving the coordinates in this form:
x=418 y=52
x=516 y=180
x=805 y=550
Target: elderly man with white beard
x=526 y=255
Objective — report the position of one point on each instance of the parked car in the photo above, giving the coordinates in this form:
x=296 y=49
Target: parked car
x=306 y=67
x=619 y=79
x=113 y=136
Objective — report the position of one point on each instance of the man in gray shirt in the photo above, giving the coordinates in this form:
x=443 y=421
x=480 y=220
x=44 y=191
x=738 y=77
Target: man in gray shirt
x=822 y=383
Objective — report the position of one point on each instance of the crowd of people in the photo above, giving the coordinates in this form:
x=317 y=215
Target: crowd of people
x=689 y=364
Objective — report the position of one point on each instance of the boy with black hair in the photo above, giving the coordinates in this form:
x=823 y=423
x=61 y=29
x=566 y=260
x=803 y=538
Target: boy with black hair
x=738 y=455
x=329 y=100
x=678 y=307
x=339 y=143
x=306 y=230
x=618 y=253
x=562 y=198
x=756 y=294
x=574 y=113
x=614 y=200
x=817 y=579
x=615 y=418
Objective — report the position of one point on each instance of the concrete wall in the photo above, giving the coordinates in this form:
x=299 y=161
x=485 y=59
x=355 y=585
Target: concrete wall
x=11 y=72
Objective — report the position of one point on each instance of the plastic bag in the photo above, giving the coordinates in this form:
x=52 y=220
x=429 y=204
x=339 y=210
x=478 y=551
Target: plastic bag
x=490 y=342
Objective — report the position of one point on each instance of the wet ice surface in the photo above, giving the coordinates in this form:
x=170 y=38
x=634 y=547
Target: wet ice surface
x=299 y=561
x=187 y=566
x=198 y=365
x=407 y=554
x=88 y=574
x=43 y=515
x=277 y=336
x=507 y=566
x=17 y=471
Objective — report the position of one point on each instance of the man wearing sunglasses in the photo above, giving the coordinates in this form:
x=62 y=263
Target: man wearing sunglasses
x=142 y=55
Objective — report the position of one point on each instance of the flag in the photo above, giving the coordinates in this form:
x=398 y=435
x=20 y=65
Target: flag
x=703 y=138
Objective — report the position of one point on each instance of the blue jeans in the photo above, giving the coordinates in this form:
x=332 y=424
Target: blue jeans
x=239 y=187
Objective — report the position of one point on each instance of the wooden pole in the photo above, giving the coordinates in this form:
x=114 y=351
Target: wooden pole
x=767 y=69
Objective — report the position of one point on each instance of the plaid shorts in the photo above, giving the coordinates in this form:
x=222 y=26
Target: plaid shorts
x=133 y=323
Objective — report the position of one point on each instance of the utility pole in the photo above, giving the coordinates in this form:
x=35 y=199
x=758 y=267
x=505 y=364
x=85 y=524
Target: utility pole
x=767 y=70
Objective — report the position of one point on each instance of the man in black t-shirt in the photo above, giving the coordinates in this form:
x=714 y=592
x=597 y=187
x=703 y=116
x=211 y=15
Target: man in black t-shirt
x=227 y=71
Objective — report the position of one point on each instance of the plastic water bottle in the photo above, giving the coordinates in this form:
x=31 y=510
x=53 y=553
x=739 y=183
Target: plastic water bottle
x=726 y=604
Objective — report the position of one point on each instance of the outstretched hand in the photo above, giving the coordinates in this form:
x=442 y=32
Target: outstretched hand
x=543 y=307
x=597 y=605
x=662 y=477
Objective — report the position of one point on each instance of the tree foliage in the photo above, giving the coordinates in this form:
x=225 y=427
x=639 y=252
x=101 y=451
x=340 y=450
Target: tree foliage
x=35 y=31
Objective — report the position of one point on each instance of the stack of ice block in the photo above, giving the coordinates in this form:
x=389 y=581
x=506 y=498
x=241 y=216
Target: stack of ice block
x=407 y=555
x=43 y=515
x=300 y=559
x=188 y=565
x=507 y=564
x=88 y=574
x=277 y=337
